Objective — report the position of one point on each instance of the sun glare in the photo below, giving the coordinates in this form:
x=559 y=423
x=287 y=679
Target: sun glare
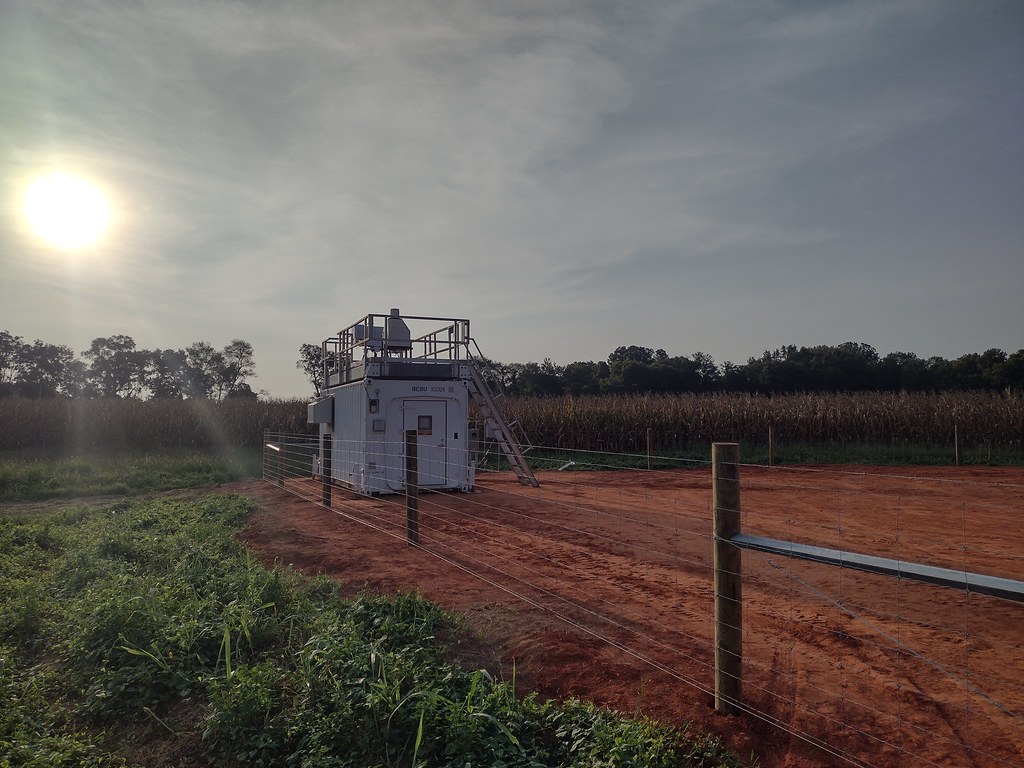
x=66 y=211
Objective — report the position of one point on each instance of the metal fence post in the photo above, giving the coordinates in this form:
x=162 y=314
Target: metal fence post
x=725 y=482
x=412 y=519
x=280 y=459
x=325 y=470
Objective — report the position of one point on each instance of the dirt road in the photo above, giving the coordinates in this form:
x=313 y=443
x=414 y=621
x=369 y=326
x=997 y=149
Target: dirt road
x=598 y=585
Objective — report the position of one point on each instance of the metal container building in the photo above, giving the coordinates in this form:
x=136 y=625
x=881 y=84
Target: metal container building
x=380 y=381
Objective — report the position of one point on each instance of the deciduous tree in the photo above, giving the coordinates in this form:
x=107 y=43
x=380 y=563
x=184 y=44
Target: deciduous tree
x=117 y=369
x=166 y=372
x=311 y=363
x=10 y=361
x=238 y=366
x=47 y=370
x=202 y=369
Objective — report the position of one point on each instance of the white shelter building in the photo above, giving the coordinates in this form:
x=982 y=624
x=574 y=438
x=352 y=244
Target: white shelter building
x=380 y=380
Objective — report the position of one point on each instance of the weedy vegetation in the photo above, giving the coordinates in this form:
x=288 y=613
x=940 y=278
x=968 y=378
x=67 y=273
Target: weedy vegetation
x=141 y=632
x=37 y=478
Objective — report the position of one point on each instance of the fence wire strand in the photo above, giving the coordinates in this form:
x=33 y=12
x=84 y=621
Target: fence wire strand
x=668 y=536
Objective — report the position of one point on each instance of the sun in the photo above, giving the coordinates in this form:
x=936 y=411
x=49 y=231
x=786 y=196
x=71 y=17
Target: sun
x=66 y=211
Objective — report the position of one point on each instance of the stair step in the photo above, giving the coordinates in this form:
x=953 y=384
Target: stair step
x=501 y=430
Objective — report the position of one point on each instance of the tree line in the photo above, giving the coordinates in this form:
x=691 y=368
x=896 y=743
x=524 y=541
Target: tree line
x=115 y=367
x=847 y=367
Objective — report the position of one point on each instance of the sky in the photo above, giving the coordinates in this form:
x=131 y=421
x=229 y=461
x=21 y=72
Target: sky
x=571 y=176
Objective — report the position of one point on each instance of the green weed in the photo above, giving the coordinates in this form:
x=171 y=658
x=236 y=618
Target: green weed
x=128 y=612
x=32 y=734
x=34 y=479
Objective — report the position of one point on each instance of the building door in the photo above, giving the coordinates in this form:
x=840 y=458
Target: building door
x=429 y=418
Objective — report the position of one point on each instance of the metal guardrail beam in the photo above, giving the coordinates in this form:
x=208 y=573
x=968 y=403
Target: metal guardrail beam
x=1008 y=589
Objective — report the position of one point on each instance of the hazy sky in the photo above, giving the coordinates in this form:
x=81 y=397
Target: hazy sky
x=724 y=177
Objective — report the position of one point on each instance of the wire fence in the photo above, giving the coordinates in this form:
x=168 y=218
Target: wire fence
x=864 y=669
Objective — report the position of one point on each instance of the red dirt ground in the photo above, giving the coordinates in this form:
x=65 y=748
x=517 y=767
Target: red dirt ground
x=598 y=585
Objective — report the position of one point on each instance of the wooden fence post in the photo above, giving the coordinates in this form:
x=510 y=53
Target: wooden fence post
x=771 y=445
x=412 y=512
x=725 y=482
x=325 y=470
x=650 y=446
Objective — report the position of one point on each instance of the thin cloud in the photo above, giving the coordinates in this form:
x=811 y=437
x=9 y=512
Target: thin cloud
x=571 y=177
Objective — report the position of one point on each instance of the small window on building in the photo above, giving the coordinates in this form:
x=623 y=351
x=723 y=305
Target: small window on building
x=426 y=425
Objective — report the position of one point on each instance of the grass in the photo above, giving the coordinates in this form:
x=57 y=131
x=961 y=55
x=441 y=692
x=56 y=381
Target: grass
x=141 y=632
x=35 y=479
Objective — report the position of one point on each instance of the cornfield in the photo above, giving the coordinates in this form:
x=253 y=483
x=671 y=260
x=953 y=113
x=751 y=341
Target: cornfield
x=613 y=423
x=619 y=423
x=81 y=425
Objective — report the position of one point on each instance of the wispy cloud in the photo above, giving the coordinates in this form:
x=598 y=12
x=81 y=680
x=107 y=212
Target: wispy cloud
x=607 y=173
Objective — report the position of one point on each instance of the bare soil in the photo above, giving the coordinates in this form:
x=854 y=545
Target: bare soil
x=598 y=585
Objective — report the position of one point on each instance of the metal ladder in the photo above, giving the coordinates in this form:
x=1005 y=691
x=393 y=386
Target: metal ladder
x=504 y=432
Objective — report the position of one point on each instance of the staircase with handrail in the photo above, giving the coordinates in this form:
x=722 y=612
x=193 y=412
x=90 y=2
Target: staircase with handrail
x=508 y=435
